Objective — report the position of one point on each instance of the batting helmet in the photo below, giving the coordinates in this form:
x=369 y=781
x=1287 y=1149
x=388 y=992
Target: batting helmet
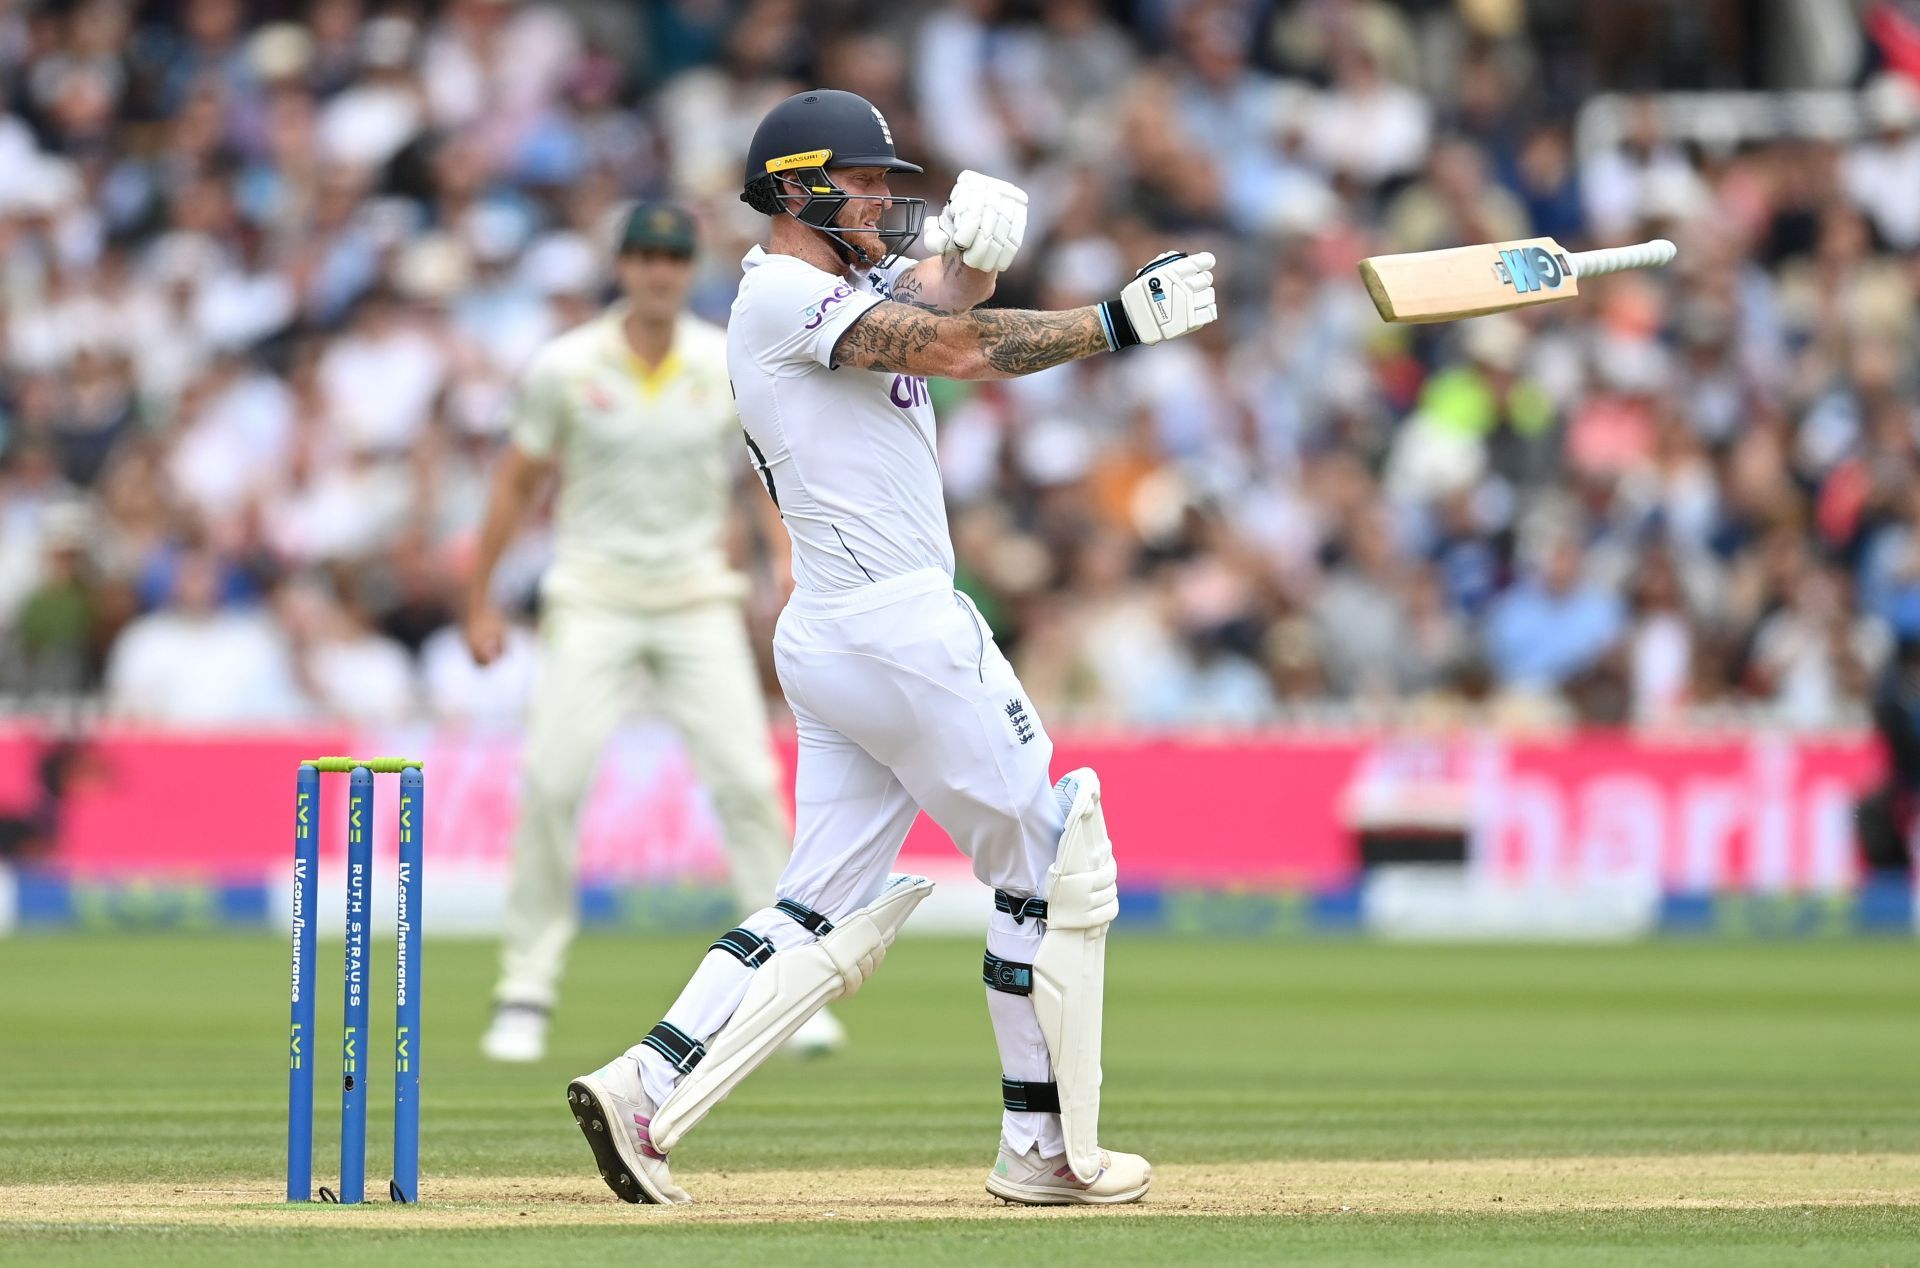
x=798 y=144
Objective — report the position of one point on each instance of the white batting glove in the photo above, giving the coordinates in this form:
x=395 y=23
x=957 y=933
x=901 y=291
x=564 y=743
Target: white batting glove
x=1171 y=296
x=983 y=222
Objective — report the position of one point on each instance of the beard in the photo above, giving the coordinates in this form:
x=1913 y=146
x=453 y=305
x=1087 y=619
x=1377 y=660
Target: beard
x=868 y=243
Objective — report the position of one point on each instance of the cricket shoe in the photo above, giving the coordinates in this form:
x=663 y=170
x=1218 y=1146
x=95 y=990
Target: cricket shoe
x=1035 y=1181
x=518 y=1034
x=614 y=1114
x=819 y=1035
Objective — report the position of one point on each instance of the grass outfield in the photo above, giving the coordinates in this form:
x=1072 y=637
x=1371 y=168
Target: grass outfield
x=1327 y=1102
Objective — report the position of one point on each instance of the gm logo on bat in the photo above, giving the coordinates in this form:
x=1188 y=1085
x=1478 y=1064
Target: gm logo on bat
x=1531 y=268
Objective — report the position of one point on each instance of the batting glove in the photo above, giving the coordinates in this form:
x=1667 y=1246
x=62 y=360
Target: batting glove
x=984 y=221
x=1171 y=296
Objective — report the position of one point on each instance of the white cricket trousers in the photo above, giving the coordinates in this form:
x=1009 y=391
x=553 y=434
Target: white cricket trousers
x=694 y=667
x=902 y=702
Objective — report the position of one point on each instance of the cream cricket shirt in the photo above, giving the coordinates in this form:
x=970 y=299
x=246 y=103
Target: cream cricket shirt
x=646 y=463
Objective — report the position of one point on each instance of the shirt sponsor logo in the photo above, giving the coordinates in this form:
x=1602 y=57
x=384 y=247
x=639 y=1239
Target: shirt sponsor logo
x=908 y=390
x=818 y=312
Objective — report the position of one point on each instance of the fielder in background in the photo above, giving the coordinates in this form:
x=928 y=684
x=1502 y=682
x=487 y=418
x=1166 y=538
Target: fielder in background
x=633 y=414
x=901 y=701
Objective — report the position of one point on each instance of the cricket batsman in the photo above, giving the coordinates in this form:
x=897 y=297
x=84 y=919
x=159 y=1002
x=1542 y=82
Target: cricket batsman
x=633 y=414
x=901 y=700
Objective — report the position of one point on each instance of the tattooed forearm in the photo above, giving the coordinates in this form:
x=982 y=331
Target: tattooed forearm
x=892 y=336
x=909 y=291
x=992 y=344
x=943 y=284
x=1018 y=341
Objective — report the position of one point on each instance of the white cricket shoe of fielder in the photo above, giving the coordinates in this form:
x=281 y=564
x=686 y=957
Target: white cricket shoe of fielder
x=1035 y=1181
x=518 y=1034
x=614 y=1114
x=819 y=1035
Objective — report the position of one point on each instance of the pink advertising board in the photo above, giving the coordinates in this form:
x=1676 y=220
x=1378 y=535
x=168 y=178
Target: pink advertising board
x=1760 y=812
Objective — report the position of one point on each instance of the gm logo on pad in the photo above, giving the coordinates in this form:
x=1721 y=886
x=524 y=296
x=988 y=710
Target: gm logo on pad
x=1528 y=269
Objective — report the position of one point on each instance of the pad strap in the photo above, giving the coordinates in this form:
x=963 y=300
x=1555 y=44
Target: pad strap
x=1020 y=908
x=1030 y=1098
x=789 y=988
x=680 y=1049
x=809 y=919
x=1008 y=976
x=745 y=946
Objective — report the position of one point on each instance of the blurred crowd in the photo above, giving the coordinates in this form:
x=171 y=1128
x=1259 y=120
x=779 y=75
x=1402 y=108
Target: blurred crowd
x=268 y=272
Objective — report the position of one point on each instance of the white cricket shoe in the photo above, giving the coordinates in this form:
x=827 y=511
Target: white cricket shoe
x=818 y=1036
x=614 y=1114
x=1035 y=1181
x=518 y=1034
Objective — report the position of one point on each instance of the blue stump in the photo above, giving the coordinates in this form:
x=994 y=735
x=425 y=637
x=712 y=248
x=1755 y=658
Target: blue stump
x=306 y=879
x=406 y=971
x=353 y=1037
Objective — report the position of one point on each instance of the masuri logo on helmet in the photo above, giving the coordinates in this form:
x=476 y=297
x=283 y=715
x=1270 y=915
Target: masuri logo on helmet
x=787 y=162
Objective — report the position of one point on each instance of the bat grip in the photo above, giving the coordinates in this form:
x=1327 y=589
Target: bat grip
x=1647 y=255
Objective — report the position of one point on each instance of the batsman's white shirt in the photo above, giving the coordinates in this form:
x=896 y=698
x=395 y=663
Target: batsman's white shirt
x=901 y=702
x=848 y=454
x=646 y=464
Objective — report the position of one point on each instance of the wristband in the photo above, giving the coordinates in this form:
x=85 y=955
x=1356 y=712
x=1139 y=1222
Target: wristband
x=1113 y=320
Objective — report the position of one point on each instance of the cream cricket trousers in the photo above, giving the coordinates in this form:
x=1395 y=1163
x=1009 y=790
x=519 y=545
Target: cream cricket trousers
x=693 y=667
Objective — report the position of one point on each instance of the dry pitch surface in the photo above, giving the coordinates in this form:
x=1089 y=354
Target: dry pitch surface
x=1675 y=1182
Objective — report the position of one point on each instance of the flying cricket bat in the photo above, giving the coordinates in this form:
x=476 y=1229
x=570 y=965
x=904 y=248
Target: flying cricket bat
x=1473 y=281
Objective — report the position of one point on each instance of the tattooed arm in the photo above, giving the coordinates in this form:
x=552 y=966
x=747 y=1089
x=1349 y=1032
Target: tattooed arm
x=1172 y=296
x=942 y=284
x=992 y=343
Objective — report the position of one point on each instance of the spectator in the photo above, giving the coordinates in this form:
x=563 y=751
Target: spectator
x=1364 y=102
x=1659 y=643
x=1552 y=626
x=1812 y=660
x=263 y=284
x=960 y=59
x=196 y=663
x=1453 y=204
x=1438 y=656
x=351 y=673
x=1617 y=180
x=55 y=635
x=30 y=487
x=1546 y=179
x=382 y=112
x=1365 y=633
x=1484 y=415
x=1878 y=169
x=381 y=377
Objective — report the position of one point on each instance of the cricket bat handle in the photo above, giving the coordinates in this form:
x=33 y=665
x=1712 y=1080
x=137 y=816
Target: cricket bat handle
x=1647 y=255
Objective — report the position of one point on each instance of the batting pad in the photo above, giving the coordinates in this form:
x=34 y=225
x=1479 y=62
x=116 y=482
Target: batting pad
x=1070 y=967
x=790 y=987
